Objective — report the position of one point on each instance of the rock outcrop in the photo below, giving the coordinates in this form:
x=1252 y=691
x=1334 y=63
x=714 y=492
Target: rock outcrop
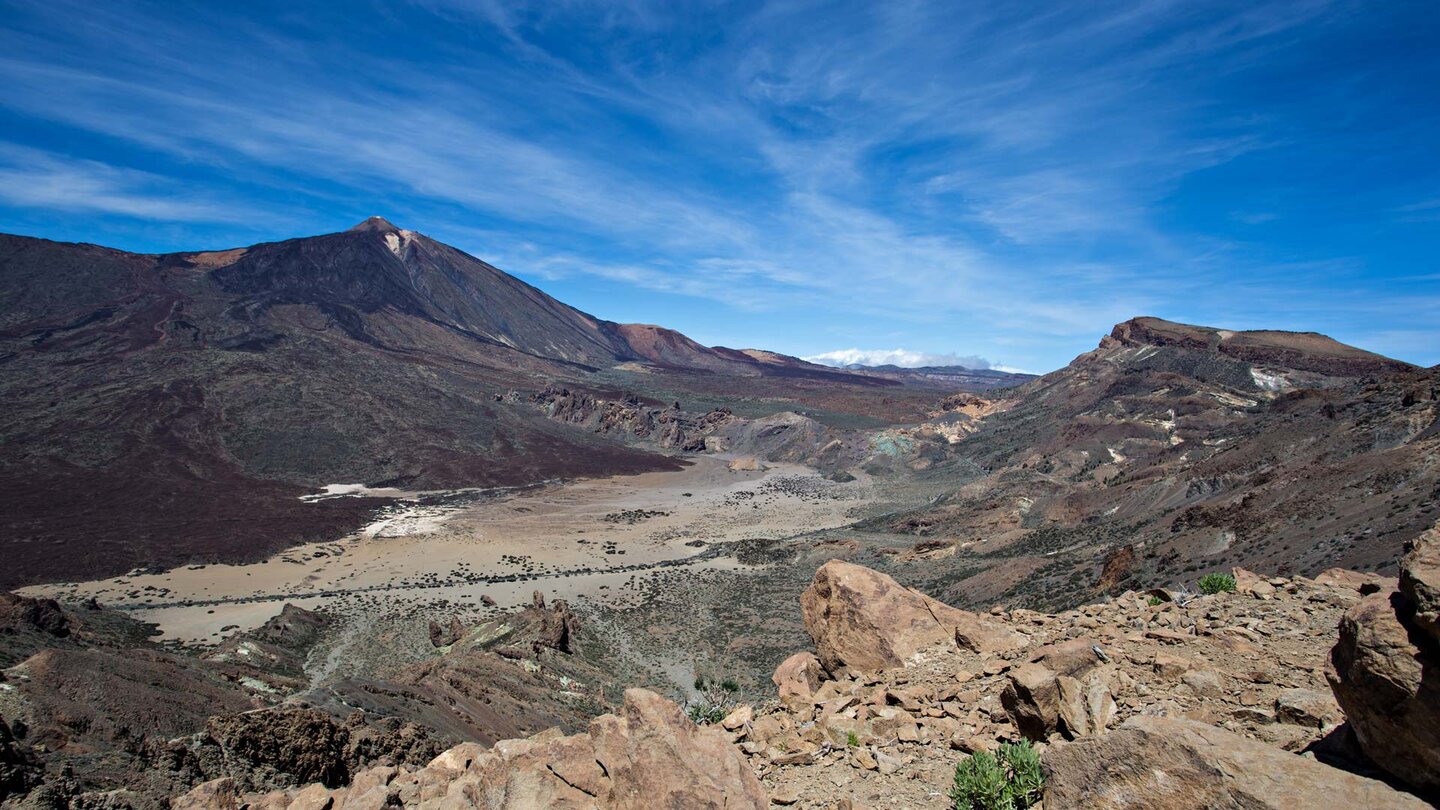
x=1162 y=763
x=305 y=744
x=445 y=635
x=1385 y=670
x=667 y=427
x=647 y=756
x=1420 y=580
x=1063 y=689
x=798 y=676
x=1245 y=669
x=19 y=771
x=863 y=619
x=22 y=613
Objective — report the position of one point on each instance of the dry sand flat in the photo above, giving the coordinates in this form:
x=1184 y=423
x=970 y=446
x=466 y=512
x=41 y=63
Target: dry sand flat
x=588 y=540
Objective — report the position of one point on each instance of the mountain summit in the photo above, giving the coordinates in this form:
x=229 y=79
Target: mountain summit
x=376 y=223
x=170 y=408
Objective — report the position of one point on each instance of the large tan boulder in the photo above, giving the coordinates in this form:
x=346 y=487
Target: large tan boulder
x=1250 y=583
x=798 y=676
x=1420 y=580
x=1157 y=763
x=864 y=620
x=1353 y=580
x=649 y=755
x=1063 y=689
x=1386 y=682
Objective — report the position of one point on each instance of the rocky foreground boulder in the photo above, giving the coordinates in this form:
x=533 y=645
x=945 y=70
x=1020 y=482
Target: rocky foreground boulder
x=862 y=619
x=1162 y=763
x=649 y=755
x=1227 y=691
x=1062 y=689
x=1420 y=581
x=1215 y=701
x=1385 y=670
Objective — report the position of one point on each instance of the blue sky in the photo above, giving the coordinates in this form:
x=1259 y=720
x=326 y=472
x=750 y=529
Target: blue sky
x=975 y=180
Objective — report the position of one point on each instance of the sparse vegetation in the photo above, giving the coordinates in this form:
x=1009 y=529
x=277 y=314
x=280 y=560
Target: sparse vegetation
x=852 y=740
x=1007 y=780
x=714 y=702
x=1155 y=601
x=1216 y=583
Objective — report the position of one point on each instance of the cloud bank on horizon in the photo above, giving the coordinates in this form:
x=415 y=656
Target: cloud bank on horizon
x=904 y=358
x=1009 y=179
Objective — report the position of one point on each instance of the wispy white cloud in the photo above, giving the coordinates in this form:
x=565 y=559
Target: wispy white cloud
x=995 y=176
x=33 y=178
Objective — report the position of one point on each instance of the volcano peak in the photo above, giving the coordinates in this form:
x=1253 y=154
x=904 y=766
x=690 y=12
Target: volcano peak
x=377 y=223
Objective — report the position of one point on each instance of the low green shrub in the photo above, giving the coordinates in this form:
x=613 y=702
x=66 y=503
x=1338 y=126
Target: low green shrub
x=1216 y=583
x=1010 y=779
x=705 y=714
x=714 y=701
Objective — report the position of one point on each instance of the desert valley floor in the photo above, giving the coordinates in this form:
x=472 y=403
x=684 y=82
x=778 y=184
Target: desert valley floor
x=601 y=543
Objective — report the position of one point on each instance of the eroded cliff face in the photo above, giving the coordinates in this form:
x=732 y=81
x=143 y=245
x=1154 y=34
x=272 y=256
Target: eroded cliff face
x=667 y=427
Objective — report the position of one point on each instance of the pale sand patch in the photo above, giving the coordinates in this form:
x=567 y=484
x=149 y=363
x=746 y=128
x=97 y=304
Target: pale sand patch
x=541 y=538
x=357 y=491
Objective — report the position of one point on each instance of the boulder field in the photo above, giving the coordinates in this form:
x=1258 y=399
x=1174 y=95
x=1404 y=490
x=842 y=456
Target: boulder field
x=1150 y=700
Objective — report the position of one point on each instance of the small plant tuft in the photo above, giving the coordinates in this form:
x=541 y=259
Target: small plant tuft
x=852 y=740
x=1155 y=600
x=1007 y=780
x=714 y=702
x=1217 y=583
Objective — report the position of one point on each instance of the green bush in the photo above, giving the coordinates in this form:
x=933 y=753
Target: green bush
x=714 y=701
x=1215 y=583
x=1155 y=600
x=705 y=714
x=852 y=739
x=1008 y=780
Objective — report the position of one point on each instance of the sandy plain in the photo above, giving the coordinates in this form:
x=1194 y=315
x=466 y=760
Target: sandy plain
x=582 y=540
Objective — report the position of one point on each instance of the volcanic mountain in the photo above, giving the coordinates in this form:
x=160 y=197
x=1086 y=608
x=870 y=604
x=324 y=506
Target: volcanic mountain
x=171 y=408
x=1174 y=449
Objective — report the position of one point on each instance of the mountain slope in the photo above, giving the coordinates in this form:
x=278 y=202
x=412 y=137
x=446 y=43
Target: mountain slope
x=171 y=408
x=1171 y=450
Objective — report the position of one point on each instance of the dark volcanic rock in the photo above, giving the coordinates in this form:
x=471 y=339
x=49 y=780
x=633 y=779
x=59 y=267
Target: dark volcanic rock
x=21 y=614
x=99 y=697
x=305 y=744
x=275 y=651
x=447 y=635
x=506 y=677
x=19 y=770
